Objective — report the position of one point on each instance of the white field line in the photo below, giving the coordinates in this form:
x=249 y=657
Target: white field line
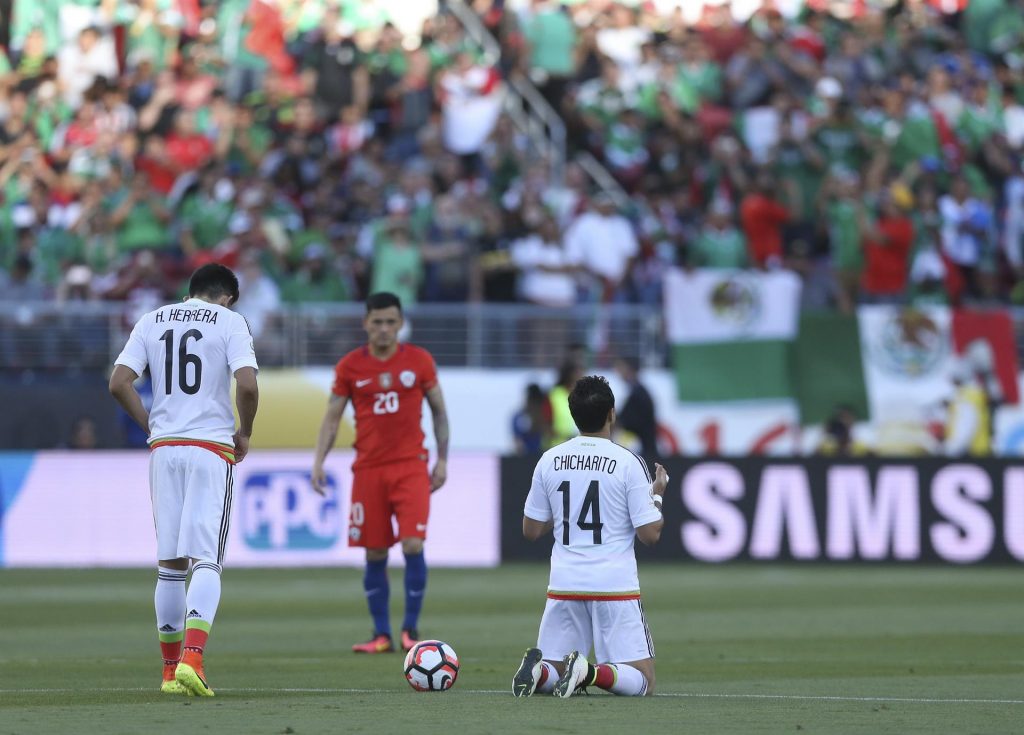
x=673 y=695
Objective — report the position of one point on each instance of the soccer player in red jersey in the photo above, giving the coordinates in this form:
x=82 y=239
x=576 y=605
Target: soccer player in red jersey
x=386 y=383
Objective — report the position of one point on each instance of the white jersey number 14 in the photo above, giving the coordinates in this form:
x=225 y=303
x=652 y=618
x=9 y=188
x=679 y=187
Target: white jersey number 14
x=591 y=507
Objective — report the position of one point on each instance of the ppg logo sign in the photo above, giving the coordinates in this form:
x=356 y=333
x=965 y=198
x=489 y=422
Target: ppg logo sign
x=280 y=510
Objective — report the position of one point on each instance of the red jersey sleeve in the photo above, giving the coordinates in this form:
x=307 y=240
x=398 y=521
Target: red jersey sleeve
x=428 y=376
x=341 y=385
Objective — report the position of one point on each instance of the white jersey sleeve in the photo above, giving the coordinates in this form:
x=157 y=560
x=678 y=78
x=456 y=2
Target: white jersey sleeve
x=133 y=356
x=642 y=509
x=538 y=507
x=241 y=351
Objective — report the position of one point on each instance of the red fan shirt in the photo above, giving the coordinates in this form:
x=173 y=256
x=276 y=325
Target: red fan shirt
x=388 y=399
x=887 y=261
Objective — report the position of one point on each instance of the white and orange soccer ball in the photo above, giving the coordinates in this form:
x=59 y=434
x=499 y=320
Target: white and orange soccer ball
x=431 y=666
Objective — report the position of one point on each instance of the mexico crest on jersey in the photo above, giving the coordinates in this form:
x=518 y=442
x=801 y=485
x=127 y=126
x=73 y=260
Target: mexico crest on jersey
x=385 y=380
x=407 y=378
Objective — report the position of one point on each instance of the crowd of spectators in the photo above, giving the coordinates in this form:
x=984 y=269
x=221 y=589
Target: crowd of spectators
x=874 y=147
x=324 y=153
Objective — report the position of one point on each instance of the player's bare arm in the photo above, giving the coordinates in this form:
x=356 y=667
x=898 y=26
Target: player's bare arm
x=650 y=533
x=247 y=398
x=435 y=399
x=325 y=440
x=122 y=388
x=533 y=529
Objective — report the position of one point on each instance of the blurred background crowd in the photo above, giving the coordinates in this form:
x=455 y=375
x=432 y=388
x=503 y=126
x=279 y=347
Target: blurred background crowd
x=873 y=147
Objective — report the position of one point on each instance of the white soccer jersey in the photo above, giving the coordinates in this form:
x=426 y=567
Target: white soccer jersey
x=596 y=493
x=192 y=350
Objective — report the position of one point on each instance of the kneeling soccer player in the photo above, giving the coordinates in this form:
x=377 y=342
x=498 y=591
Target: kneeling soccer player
x=596 y=496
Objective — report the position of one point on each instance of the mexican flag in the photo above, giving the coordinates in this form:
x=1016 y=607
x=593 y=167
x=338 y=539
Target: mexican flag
x=739 y=337
x=732 y=333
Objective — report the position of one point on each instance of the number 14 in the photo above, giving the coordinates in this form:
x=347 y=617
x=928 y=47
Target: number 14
x=591 y=504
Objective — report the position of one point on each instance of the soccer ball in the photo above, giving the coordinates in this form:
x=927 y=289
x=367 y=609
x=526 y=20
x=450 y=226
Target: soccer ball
x=431 y=666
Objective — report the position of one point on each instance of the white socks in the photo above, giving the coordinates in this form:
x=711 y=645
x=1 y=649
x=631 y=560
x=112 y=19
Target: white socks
x=169 y=600
x=549 y=683
x=203 y=593
x=629 y=682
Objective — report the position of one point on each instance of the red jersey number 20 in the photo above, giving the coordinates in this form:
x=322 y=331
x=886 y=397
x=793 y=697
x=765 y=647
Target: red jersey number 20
x=384 y=403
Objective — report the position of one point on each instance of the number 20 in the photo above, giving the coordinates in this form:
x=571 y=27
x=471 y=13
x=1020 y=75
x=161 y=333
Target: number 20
x=385 y=402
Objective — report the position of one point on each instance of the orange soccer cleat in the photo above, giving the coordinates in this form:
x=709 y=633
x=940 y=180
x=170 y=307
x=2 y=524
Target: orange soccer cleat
x=169 y=685
x=191 y=677
x=380 y=643
x=409 y=639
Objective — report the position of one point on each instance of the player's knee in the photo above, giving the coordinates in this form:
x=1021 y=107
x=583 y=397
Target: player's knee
x=376 y=554
x=412 y=546
x=180 y=565
x=648 y=672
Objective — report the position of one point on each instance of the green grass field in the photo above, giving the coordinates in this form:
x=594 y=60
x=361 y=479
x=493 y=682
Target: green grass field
x=741 y=649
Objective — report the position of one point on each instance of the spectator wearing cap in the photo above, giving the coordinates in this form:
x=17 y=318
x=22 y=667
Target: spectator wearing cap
x=888 y=239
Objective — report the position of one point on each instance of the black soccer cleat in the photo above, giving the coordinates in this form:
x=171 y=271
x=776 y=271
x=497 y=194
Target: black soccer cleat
x=525 y=681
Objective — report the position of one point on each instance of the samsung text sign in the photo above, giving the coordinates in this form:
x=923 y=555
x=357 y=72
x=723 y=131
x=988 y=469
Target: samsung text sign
x=819 y=510
x=958 y=512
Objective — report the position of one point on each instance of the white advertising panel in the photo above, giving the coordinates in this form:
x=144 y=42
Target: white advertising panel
x=93 y=509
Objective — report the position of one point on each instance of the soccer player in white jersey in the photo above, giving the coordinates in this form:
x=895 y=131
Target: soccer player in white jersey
x=191 y=349
x=596 y=496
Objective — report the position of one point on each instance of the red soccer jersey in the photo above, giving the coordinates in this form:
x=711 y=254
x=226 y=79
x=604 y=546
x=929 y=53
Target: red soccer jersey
x=388 y=400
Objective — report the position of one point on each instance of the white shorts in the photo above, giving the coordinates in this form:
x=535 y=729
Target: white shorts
x=191 y=492
x=615 y=629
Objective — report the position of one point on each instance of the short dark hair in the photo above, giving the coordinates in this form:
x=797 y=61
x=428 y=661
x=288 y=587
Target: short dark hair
x=590 y=402
x=213 y=280
x=383 y=300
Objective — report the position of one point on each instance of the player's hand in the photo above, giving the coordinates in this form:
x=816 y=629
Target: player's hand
x=241 y=447
x=439 y=475
x=319 y=479
x=660 y=480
